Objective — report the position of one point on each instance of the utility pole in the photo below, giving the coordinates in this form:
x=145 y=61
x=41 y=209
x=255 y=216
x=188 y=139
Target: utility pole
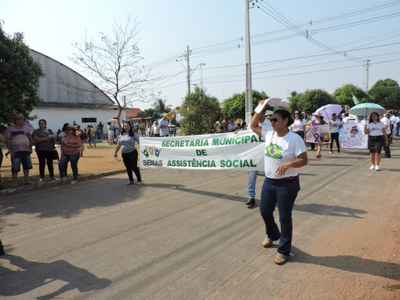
x=366 y=74
x=201 y=75
x=187 y=54
x=249 y=92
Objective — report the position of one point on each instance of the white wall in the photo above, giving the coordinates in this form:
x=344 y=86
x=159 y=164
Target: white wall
x=56 y=117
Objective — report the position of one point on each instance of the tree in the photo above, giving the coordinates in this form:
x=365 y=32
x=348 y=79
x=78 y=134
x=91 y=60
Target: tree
x=146 y=113
x=311 y=100
x=344 y=95
x=19 y=77
x=199 y=112
x=294 y=101
x=386 y=93
x=161 y=106
x=114 y=61
x=235 y=105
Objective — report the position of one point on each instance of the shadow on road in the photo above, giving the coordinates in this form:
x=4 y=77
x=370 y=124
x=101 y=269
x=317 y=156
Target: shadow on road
x=102 y=192
x=329 y=210
x=350 y=263
x=182 y=188
x=26 y=276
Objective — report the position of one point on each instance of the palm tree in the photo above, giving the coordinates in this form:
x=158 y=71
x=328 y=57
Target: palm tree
x=160 y=106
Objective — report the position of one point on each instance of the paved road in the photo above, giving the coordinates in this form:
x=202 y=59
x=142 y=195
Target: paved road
x=188 y=235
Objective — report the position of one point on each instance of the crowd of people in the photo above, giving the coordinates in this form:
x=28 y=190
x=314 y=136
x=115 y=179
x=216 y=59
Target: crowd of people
x=284 y=153
x=21 y=139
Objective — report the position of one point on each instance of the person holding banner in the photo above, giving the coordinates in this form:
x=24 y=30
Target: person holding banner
x=376 y=131
x=126 y=142
x=319 y=120
x=285 y=152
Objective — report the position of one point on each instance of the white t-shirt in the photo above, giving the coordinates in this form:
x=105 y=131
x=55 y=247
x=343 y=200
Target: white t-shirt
x=279 y=150
x=375 y=129
x=297 y=126
x=386 y=121
x=335 y=125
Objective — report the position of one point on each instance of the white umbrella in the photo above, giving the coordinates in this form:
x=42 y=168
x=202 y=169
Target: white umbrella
x=327 y=110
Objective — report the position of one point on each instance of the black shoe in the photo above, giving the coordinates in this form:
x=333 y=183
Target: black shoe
x=251 y=202
x=1 y=249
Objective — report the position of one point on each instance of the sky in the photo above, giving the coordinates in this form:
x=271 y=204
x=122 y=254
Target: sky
x=295 y=45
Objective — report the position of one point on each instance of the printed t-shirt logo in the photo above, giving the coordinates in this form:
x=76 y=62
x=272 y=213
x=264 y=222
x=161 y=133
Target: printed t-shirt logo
x=274 y=151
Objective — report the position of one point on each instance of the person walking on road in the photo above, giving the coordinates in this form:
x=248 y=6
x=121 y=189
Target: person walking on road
x=252 y=179
x=385 y=119
x=335 y=124
x=285 y=152
x=319 y=120
x=376 y=131
x=126 y=142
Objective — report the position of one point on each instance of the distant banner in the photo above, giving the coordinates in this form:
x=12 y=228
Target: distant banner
x=224 y=151
x=319 y=134
x=353 y=136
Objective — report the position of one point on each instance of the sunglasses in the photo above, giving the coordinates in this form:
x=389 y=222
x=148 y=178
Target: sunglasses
x=274 y=120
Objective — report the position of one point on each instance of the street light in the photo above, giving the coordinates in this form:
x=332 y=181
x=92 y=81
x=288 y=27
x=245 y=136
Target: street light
x=190 y=72
x=201 y=73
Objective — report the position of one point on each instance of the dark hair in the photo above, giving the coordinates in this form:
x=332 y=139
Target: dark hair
x=65 y=126
x=285 y=115
x=370 y=116
x=130 y=132
x=42 y=120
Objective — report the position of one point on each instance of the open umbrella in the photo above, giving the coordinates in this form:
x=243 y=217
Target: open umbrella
x=327 y=110
x=365 y=109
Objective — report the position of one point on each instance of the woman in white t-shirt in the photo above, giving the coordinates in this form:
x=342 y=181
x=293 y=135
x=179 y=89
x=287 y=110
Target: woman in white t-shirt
x=376 y=139
x=284 y=153
x=298 y=125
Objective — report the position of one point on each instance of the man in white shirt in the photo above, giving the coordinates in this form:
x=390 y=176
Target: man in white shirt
x=385 y=120
x=395 y=120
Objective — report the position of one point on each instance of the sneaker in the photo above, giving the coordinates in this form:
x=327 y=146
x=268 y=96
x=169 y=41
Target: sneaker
x=74 y=181
x=139 y=183
x=330 y=152
x=377 y=168
x=129 y=183
x=372 y=167
x=280 y=260
x=266 y=243
x=41 y=180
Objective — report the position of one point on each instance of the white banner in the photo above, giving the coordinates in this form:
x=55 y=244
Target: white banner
x=242 y=151
x=353 y=136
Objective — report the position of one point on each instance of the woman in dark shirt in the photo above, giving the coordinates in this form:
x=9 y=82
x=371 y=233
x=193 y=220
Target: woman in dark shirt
x=44 y=146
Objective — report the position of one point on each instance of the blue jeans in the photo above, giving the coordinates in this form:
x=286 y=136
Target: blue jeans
x=63 y=163
x=281 y=193
x=24 y=158
x=251 y=185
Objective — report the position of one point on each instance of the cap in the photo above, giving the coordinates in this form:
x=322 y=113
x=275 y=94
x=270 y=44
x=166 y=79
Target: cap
x=70 y=126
